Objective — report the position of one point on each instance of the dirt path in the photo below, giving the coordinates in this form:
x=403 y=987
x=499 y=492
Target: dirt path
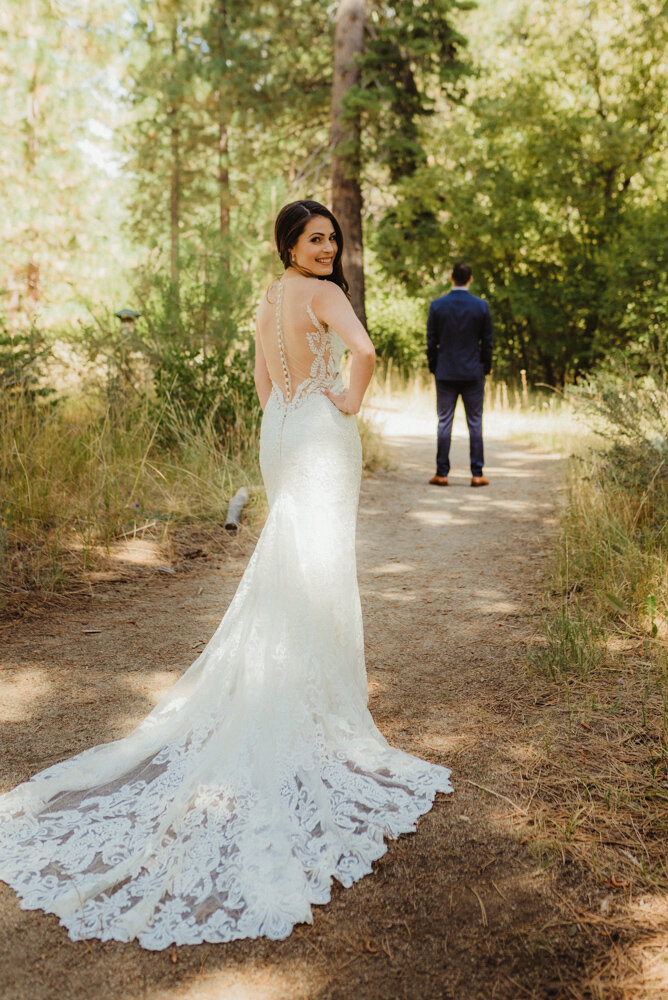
x=448 y=577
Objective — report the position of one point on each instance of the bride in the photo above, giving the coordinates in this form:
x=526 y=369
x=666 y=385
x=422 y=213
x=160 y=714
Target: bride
x=260 y=776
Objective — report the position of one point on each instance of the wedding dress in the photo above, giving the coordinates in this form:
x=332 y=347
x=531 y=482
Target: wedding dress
x=260 y=776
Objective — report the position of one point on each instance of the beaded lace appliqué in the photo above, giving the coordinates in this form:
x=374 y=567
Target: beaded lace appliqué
x=327 y=350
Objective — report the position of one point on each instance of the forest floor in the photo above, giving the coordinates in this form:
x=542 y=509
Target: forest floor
x=470 y=907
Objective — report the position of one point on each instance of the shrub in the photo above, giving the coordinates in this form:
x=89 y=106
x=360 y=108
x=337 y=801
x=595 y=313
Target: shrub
x=216 y=389
x=397 y=326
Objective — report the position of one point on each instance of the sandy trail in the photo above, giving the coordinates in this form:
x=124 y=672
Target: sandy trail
x=448 y=579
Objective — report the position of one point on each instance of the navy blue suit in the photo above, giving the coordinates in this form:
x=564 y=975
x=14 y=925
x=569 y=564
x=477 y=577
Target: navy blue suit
x=459 y=353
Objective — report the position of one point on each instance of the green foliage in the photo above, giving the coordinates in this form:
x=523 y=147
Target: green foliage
x=228 y=99
x=397 y=325
x=61 y=212
x=211 y=307
x=574 y=645
x=22 y=360
x=215 y=389
x=549 y=181
x=412 y=53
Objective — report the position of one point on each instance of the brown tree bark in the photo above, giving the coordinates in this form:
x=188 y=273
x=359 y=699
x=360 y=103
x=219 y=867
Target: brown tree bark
x=223 y=181
x=345 y=171
x=223 y=138
x=175 y=183
x=174 y=199
x=33 y=277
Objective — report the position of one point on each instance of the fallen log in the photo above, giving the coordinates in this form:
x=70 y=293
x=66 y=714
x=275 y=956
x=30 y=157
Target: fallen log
x=234 y=509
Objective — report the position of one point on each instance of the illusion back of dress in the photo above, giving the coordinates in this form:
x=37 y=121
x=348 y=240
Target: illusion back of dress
x=302 y=354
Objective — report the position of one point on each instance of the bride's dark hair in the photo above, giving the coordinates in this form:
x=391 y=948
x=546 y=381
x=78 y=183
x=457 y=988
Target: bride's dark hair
x=290 y=223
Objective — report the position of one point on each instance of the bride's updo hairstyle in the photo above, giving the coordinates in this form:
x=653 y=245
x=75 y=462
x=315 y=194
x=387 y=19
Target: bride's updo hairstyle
x=290 y=223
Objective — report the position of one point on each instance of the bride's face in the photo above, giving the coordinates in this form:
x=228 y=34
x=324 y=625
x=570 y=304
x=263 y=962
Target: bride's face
x=315 y=250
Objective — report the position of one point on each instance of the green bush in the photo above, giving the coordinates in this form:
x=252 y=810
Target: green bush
x=630 y=411
x=397 y=326
x=216 y=389
x=22 y=359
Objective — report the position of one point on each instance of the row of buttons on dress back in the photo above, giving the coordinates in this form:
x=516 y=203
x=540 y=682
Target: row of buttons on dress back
x=279 y=334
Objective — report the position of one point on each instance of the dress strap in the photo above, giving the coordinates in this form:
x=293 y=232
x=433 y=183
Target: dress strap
x=279 y=335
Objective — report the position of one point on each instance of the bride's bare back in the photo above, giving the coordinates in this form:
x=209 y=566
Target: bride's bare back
x=298 y=348
x=303 y=326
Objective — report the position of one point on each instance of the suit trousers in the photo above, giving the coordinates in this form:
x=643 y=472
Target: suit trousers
x=447 y=393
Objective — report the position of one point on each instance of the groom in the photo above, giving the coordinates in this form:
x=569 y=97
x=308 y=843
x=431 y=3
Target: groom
x=459 y=352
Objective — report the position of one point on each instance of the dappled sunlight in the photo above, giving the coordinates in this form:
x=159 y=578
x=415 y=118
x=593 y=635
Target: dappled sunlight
x=449 y=743
x=643 y=964
x=653 y=908
x=437 y=518
x=524 y=753
x=137 y=552
x=392 y=568
x=151 y=686
x=19 y=685
x=271 y=981
x=496 y=605
x=397 y=596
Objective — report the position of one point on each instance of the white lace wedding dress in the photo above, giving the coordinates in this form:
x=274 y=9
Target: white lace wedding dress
x=260 y=776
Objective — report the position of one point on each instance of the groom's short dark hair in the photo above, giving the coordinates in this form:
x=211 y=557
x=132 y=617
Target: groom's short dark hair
x=461 y=274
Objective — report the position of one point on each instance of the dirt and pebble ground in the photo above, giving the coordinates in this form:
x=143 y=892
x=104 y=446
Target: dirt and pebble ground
x=451 y=582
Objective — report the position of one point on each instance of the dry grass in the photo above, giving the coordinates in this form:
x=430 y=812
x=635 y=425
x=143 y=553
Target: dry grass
x=541 y=418
x=77 y=477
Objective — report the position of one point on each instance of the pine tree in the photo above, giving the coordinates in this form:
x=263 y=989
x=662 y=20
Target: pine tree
x=390 y=69
x=345 y=141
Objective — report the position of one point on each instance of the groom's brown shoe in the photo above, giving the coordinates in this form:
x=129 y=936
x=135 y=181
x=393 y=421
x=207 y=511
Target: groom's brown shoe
x=439 y=481
x=479 y=481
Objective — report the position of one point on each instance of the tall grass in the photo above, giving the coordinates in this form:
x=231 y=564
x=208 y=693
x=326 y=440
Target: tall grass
x=612 y=557
x=78 y=475
x=604 y=642
x=541 y=417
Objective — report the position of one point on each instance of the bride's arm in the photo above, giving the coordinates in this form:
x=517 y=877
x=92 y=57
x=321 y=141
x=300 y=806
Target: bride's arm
x=332 y=307
x=261 y=373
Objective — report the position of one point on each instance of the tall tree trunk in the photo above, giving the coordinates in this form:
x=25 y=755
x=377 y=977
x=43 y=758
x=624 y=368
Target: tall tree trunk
x=174 y=198
x=175 y=186
x=223 y=141
x=223 y=180
x=32 y=268
x=346 y=190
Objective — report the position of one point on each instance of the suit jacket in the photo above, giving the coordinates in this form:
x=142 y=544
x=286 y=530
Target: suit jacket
x=459 y=336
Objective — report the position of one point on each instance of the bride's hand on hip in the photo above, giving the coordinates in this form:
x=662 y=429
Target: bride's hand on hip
x=343 y=402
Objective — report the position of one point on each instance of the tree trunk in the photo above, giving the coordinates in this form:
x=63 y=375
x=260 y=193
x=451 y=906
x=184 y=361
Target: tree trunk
x=175 y=191
x=175 y=186
x=345 y=173
x=32 y=268
x=223 y=138
x=223 y=181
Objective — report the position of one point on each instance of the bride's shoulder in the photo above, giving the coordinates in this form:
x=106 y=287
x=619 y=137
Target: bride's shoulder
x=330 y=303
x=328 y=293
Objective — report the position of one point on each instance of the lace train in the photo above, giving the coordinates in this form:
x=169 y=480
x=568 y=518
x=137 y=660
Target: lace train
x=260 y=776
